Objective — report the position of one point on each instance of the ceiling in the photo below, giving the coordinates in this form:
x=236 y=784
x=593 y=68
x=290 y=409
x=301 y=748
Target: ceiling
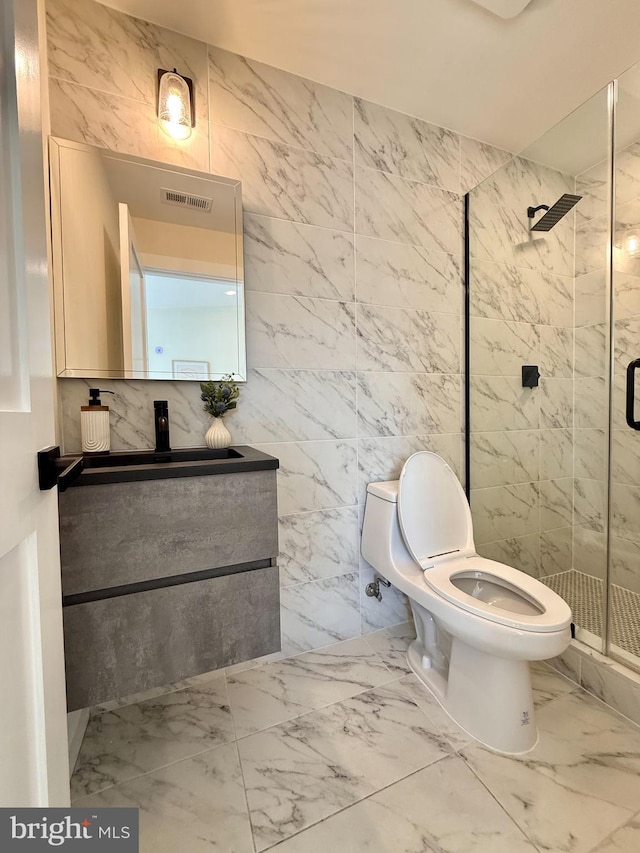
x=452 y=62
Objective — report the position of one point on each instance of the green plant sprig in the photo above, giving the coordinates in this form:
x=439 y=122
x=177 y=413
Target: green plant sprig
x=219 y=397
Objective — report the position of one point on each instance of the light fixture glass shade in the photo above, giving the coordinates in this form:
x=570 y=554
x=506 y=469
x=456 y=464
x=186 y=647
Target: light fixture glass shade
x=174 y=105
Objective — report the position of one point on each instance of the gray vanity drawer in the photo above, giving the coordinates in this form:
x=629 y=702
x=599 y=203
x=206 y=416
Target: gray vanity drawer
x=123 y=533
x=119 y=646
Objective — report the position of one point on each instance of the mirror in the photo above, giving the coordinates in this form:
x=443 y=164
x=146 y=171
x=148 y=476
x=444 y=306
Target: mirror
x=148 y=273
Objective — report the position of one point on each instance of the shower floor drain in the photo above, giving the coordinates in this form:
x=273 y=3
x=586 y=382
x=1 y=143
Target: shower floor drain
x=584 y=595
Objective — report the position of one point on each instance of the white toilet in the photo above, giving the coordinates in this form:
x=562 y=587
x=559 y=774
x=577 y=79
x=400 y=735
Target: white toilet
x=478 y=622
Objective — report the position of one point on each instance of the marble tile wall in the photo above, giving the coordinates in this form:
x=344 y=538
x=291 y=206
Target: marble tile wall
x=353 y=248
x=521 y=313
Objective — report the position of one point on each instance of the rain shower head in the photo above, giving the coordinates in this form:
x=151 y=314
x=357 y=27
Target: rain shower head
x=554 y=214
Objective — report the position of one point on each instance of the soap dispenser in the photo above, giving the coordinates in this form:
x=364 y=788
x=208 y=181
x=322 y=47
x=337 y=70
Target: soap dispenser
x=94 y=424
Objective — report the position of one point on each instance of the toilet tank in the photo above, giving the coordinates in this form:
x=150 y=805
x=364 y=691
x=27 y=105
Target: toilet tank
x=381 y=535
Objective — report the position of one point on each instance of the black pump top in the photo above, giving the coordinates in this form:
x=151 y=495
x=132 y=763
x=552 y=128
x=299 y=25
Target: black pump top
x=94 y=396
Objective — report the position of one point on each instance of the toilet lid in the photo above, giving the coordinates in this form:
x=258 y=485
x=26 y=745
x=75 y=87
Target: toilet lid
x=432 y=509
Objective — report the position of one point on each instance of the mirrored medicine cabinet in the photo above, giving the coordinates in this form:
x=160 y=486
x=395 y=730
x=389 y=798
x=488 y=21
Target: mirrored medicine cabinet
x=148 y=268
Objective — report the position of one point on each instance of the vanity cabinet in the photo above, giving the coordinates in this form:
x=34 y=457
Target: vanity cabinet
x=167 y=578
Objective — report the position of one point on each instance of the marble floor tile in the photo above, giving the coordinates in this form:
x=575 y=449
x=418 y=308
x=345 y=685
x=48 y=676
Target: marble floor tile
x=130 y=741
x=420 y=813
x=197 y=805
x=391 y=644
x=578 y=785
x=424 y=699
x=623 y=840
x=307 y=769
x=272 y=694
x=548 y=684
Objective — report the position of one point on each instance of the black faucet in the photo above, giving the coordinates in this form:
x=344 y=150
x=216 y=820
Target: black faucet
x=161 y=412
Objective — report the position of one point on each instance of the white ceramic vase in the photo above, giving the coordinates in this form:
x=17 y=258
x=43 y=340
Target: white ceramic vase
x=217 y=436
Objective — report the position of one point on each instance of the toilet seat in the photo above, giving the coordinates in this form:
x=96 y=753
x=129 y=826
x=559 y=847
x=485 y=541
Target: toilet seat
x=553 y=612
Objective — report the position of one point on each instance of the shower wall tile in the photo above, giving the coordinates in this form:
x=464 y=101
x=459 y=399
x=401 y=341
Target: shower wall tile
x=556 y=551
x=522 y=183
x=505 y=512
x=556 y=503
x=286 y=182
x=408 y=404
x=556 y=453
x=299 y=260
x=589 y=551
x=555 y=298
x=501 y=403
x=591 y=298
x=317 y=545
x=120 y=124
x=592 y=237
x=314 y=475
x=502 y=234
x=505 y=457
x=591 y=353
x=478 y=161
x=628 y=174
x=503 y=292
x=293 y=331
x=625 y=511
x=625 y=559
x=264 y=101
x=556 y=351
x=402 y=145
x=500 y=347
x=523 y=553
x=398 y=339
x=282 y=405
x=627 y=294
x=627 y=336
x=590 y=453
x=556 y=403
x=319 y=613
x=591 y=403
x=402 y=276
x=625 y=457
x=404 y=211
x=589 y=504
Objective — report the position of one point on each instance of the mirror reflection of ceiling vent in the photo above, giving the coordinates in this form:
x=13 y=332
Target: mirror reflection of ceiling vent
x=180 y=199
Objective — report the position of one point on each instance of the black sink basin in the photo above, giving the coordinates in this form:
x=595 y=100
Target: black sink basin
x=150 y=457
x=128 y=466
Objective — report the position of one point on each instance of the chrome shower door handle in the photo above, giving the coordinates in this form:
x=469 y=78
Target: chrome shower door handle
x=631 y=393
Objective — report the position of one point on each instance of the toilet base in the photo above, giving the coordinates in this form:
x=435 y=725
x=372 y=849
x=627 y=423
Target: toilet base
x=489 y=697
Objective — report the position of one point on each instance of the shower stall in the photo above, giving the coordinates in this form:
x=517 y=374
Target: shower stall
x=553 y=357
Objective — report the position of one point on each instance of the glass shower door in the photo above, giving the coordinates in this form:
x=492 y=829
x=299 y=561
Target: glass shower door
x=624 y=514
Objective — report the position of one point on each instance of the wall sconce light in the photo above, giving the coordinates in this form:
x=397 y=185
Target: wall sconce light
x=176 y=104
